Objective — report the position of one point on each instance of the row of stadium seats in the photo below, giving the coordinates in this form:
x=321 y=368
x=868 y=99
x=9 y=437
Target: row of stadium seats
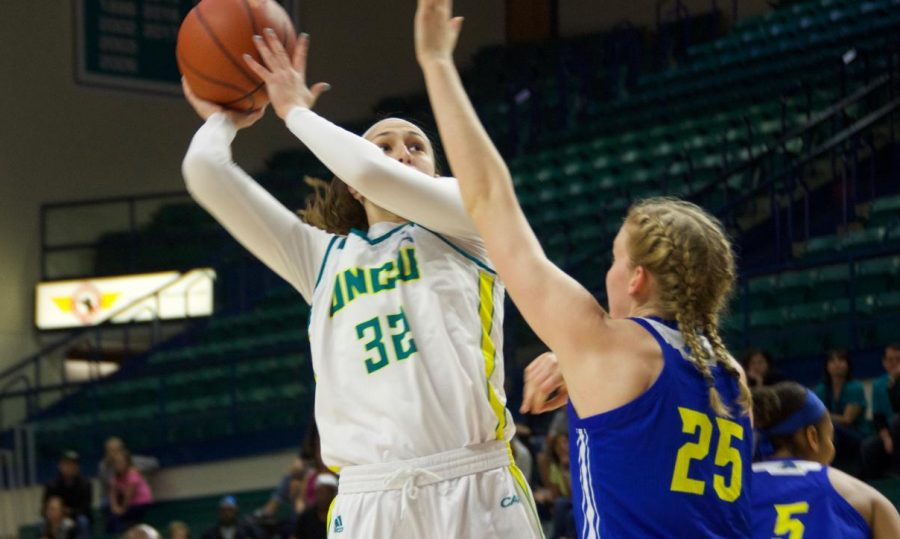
x=674 y=136
x=657 y=141
x=213 y=400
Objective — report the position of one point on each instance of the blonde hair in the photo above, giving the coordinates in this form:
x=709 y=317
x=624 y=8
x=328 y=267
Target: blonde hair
x=688 y=253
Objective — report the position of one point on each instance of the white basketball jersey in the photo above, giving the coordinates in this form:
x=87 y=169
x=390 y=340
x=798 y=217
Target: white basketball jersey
x=406 y=333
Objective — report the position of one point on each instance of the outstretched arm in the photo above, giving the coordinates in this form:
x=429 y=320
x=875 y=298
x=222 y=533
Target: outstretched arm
x=274 y=234
x=560 y=310
x=402 y=190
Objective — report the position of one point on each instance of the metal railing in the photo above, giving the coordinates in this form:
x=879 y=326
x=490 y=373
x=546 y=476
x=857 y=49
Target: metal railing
x=41 y=379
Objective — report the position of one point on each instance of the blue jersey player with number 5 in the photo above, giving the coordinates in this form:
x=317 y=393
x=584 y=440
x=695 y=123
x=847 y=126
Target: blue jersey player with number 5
x=659 y=415
x=795 y=493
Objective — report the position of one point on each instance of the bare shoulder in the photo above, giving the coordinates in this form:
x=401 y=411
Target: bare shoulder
x=858 y=494
x=618 y=365
x=874 y=507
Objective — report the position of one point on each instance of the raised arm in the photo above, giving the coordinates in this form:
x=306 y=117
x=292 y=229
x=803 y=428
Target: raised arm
x=561 y=311
x=431 y=202
x=274 y=234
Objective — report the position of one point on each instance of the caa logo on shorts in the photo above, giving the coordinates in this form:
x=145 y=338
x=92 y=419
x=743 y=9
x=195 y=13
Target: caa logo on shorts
x=508 y=501
x=338 y=524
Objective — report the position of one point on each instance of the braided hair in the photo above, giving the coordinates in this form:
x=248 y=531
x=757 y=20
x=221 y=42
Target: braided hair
x=688 y=253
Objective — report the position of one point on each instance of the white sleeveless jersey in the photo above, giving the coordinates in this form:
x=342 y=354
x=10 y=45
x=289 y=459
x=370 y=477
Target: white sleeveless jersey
x=406 y=337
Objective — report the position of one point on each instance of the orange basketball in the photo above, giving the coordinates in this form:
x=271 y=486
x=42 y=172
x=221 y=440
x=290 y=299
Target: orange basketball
x=212 y=41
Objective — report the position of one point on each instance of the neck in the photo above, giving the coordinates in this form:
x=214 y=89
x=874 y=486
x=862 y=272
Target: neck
x=838 y=381
x=377 y=214
x=646 y=310
x=785 y=453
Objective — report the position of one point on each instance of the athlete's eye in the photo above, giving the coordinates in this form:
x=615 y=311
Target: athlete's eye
x=416 y=148
x=385 y=147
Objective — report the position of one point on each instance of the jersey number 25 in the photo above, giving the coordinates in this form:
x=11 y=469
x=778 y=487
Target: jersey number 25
x=694 y=422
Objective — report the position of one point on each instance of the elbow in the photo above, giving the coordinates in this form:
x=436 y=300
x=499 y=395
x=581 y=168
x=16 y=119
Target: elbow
x=489 y=189
x=364 y=174
x=199 y=171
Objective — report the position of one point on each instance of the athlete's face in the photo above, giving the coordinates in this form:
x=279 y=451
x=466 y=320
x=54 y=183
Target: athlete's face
x=619 y=277
x=405 y=142
x=824 y=448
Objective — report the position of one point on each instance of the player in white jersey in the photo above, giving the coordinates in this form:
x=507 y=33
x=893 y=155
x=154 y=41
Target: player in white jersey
x=406 y=321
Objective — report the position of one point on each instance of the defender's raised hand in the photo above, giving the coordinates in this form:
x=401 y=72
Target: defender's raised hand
x=436 y=30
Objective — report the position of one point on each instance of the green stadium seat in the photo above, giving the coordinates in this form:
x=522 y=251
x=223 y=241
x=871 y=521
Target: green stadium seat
x=863 y=239
x=809 y=312
x=762 y=291
x=769 y=318
x=876 y=275
x=884 y=212
x=822 y=246
x=795 y=287
x=831 y=281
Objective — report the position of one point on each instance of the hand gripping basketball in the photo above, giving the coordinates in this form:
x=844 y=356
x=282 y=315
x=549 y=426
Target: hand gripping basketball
x=285 y=77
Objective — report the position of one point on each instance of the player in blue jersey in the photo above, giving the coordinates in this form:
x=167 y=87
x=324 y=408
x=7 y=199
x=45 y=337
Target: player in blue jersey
x=795 y=493
x=659 y=416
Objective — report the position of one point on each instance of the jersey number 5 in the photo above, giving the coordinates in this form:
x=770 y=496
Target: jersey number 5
x=694 y=422
x=785 y=524
x=372 y=335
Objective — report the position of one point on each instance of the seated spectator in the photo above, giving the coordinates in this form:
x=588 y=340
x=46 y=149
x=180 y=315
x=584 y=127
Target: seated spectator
x=112 y=446
x=313 y=522
x=296 y=491
x=881 y=452
x=230 y=524
x=522 y=457
x=555 y=478
x=141 y=531
x=74 y=490
x=845 y=399
x=178 y=530
x=55 y=524
x=129 y=494
x=760 y=368
x=291 y=491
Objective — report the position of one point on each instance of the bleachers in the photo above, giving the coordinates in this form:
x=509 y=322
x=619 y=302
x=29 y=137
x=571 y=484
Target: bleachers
x=674 y=135
x=199 y=513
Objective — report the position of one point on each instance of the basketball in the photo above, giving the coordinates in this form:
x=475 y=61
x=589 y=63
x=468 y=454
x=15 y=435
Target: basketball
x=212 y=41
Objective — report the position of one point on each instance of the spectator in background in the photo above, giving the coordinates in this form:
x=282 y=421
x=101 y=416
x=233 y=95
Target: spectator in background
x=112 y=446
x=129 y=494
x=760 y=368
x=74 y=490
x=845 y=399
x=141 y=531
x=56 y=525
x=178 y=530
x=296 y=489
x=881 y=452
x=555 y=477
x=230 y=525
x=313 y=522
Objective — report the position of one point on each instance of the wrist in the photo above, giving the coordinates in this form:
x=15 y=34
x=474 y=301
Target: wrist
x=437 y=62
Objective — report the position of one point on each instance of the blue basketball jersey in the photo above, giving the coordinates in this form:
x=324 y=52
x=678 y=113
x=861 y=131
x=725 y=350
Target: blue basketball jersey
x=794 y=499
x=664 y=465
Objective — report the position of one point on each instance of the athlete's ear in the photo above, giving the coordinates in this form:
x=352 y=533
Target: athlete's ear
x=813 y=438
x=639 y=284
x=356 y=194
